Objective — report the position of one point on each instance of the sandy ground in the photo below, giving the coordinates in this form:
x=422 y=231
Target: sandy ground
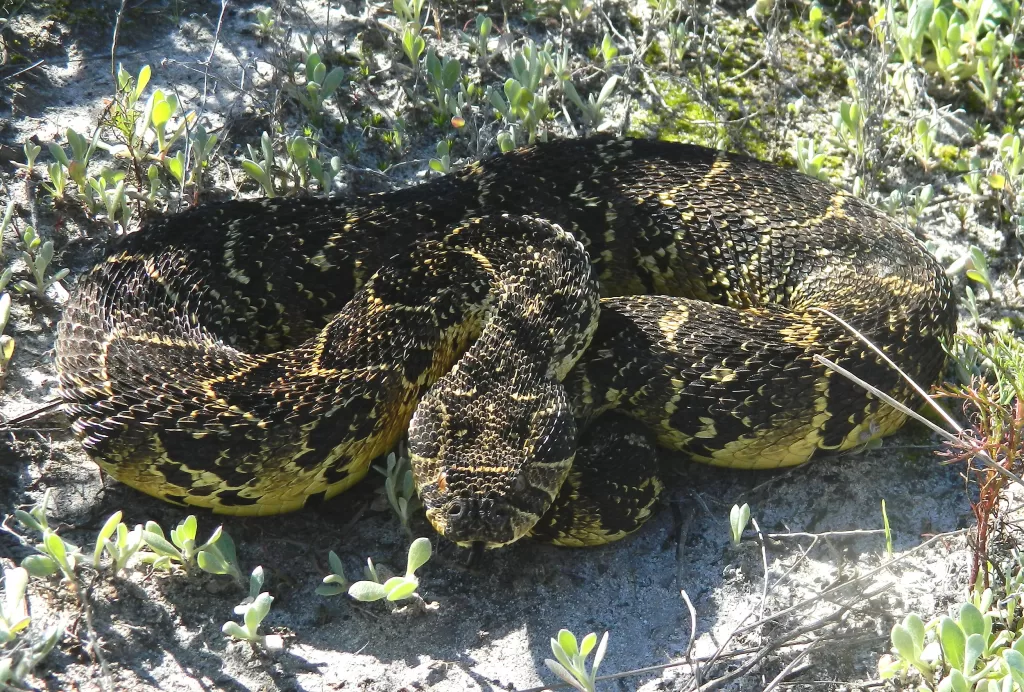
x=492 y=621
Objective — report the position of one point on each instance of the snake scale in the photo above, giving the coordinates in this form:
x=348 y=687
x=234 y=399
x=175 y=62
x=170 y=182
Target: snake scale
x=535 y=322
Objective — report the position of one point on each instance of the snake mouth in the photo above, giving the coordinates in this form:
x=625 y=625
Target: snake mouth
x=471 y=521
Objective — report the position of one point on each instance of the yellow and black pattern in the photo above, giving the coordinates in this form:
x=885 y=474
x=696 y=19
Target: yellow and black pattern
x=249 y=356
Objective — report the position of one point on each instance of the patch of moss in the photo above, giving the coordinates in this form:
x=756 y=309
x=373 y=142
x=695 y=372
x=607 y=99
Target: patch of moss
x=687 y=120
x=655 y=55
x=690 y=121
x=949 y=157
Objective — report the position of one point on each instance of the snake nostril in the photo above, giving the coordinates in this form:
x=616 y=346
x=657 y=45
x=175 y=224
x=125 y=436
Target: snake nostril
x=457 y=509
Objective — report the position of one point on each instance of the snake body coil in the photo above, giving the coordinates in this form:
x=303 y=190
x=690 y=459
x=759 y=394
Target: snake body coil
x=249 y=356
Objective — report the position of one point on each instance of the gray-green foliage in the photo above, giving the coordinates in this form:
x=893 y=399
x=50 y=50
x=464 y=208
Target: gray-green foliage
x=739 y=517
x=116 y=541
x=265 y=26
x=996 y=356
x=13 y=610
x=444 y=80
x=571 y=659
x=968 y=40
x=412 y=16
x=320 y=86
x=978 y=646
x=396 y=588
x=18 y=662
x=479 y=40
x=399 y=486
x=254 y=609
x=54 y=554
x=442 y=164
x=216 y=555
x=297 y=166
x=336 y=582
x=37 y=256
x=809 y=159
x=165 y=147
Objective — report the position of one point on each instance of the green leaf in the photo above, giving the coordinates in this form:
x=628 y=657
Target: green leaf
x=299 y=149
x=563 y=656
x=953 y=641
x=312 y=62
x=224 y=544
x=367 y=591
x=1015 y=662
x=587 y=645
x=184 y=532
x=903 y=642
x=739 y=516
x=973 y=650
x=257 y=173
x=918 y=20
x=915 y=627
x=258 y=611
x=175 y=165
x=398 y=588
x=55 y=547
x=142 y=81
x=256 y=581
x=450 y=73
x=335 y=562
x=162 y=112
x=159 y=544
x=567 y=640
x=331 y=82
x=957 y=681
x=559 y=670
x=109 y=527
x=233 y=629
x=419 y=553
x=607 y=89
x=40 y=565
x=599 y=656
x=27 y=520
x=971 y=619
x=212 y=562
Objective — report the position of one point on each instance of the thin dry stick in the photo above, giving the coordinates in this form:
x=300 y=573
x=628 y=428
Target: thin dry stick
x=688 y=657
x=870 y=573
x=902 y=408
x=95 y=646
x=796 y=563
x=736 y=653
x=791 y=666
x=764 y=564
x=41 y=410
x=792 y=634
x=113 y=40
x=881 y=354
x=824 y=534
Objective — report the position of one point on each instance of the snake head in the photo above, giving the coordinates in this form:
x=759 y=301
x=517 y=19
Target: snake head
x=488 y=460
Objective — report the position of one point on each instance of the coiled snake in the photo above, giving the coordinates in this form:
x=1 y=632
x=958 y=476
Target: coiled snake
x=532 y=321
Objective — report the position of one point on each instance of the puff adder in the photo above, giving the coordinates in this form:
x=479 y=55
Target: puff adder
x=535 y=322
